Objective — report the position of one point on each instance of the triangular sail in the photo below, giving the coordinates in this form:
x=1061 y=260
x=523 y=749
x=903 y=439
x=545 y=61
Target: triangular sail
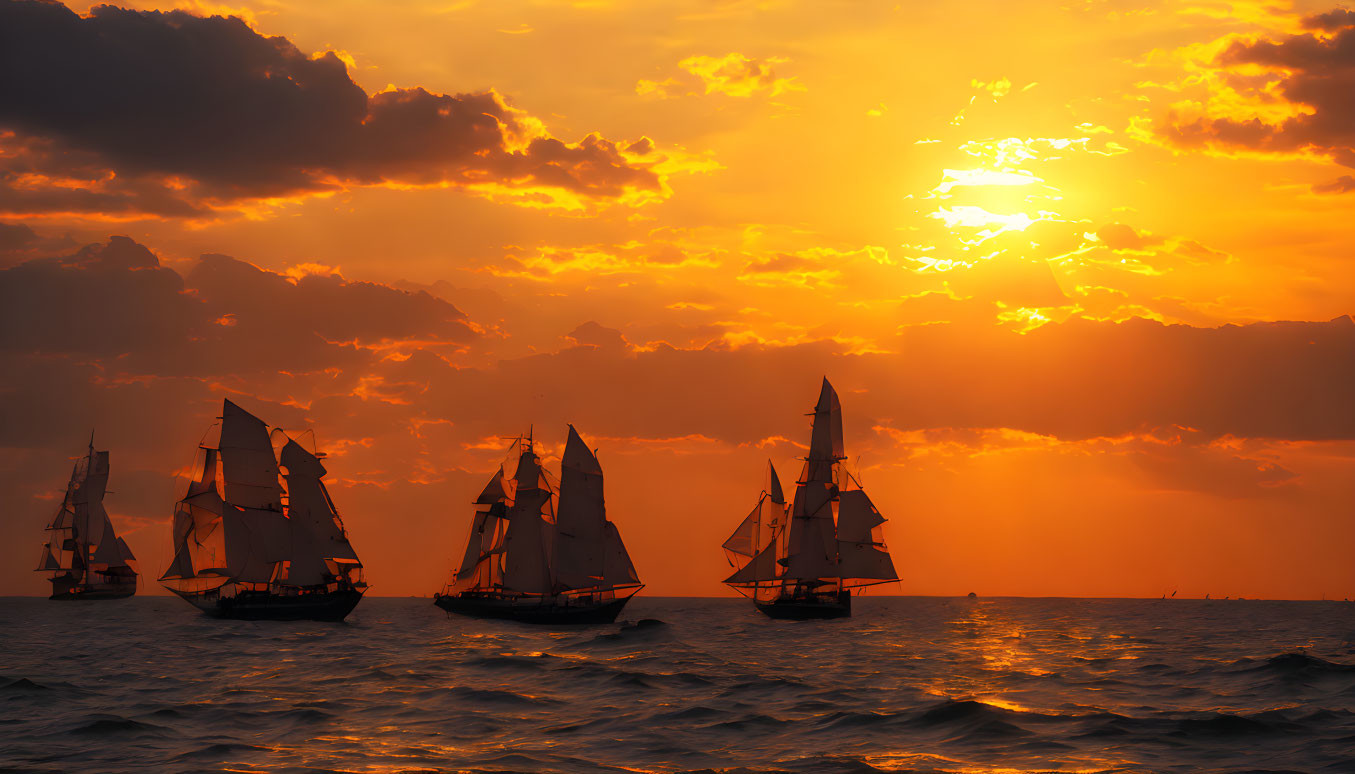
x=521 y=543
x=48 y=562
x=833 y=538
x=580 y=521
x=245 y=535
x=618 y=570
x=760 y=569
x=317 y=534
x=861 y=550
x=83 y=542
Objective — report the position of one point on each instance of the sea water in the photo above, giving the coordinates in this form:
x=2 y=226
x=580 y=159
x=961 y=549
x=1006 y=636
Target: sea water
x=906 y=684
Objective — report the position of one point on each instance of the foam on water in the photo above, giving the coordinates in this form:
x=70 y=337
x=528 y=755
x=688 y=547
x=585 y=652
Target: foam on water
x=907 y=684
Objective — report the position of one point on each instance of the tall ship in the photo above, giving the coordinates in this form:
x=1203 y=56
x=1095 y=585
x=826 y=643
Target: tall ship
x=83 y=554
x=256 y=536
x=804 y=559
x=543 y=554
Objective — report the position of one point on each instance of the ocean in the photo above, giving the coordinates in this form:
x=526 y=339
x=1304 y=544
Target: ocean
x=906 y=684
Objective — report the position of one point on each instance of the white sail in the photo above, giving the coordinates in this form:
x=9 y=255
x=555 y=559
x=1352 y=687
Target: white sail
x=48 y=562
x=247 y=461
x=256 y=541
x=860 y=547
x=484 y=543
x=760 y=569
x=743 y=541
x=618 y=570
x=828 y=535
x=520 y=542
x=199 y=545
x=315 y=531
x=580 y=522
x=526 y=561
x=812 y=548
x=83 y=537
x=825 y=443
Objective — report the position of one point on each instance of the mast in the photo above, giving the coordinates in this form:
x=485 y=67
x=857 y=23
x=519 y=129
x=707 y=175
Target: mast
x=520 y=543
x=526 y=546
x=834 y=533
x=241 y=532
x=83 y=542
x=812 y=551
x=320 y=549
x=759 y=540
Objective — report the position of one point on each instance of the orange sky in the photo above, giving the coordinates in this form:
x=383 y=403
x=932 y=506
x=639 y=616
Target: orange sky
x=1042 y=252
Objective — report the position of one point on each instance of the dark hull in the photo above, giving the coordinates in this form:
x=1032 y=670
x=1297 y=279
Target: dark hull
x=95 y=594
x=810 y=608
x=562 y=615
x=262 y=606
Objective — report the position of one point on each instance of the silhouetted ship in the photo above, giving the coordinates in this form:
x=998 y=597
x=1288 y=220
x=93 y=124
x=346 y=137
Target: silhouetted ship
x=528 y=561
x=86 y=558
x=248 y=546
x=804 y=561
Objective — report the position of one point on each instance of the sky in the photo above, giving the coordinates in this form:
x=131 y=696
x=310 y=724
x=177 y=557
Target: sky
x=1081 y=273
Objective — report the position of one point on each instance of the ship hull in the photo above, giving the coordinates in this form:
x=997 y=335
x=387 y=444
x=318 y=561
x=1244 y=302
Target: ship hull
x=64 y=588
x=94 y=594
x=266 y=606
x=550 y=613
x=807 y=608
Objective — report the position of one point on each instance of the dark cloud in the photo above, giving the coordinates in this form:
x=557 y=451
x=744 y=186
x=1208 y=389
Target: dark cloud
x=592 y=334
x=190 y=111
x=15 y=236
x=1314 y=70
x=115 y=305
x=114 y=308
x=1342 y=184
x=1331 y=20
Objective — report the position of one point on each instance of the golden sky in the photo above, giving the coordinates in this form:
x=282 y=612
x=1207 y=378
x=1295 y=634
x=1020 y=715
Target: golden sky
x=1081 y=272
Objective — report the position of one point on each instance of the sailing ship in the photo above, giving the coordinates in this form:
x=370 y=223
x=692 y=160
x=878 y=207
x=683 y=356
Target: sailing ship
x=540 y=556
x=257 y=536
x=804 y=559
x=83 y=553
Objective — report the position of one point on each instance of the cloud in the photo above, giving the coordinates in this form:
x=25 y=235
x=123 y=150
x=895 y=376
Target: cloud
x=1342 y=184
x=733 y=75
x=1118 y=236
x=393 y=387
x=113 y=304
x=591 y=334
x=170 y=114
x=1299 y=104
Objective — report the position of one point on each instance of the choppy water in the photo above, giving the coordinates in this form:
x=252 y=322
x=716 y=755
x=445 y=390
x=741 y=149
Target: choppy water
x=907 y=684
